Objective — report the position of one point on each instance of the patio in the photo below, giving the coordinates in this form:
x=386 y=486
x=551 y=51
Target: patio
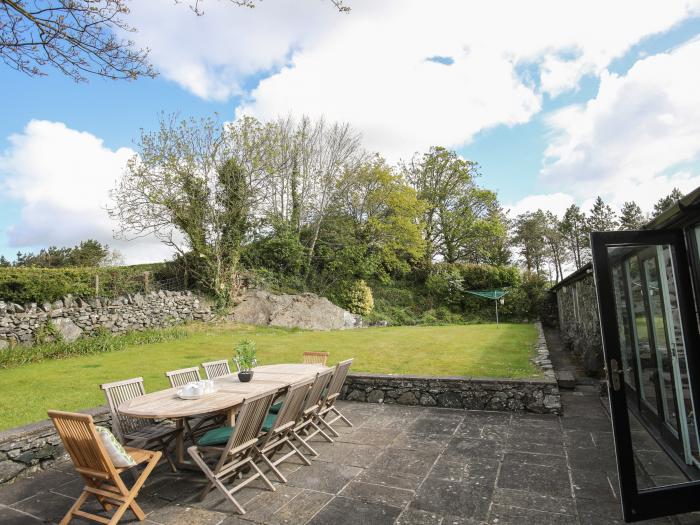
x=399 y=464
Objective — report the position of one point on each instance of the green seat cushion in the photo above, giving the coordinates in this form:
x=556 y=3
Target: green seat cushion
x=220 y=435
x=324 y=393
x=216 y=436
x=275 y=408
x=269 y=422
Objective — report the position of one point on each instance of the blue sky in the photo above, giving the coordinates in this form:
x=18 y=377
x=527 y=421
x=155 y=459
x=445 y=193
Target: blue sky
x=531 y=106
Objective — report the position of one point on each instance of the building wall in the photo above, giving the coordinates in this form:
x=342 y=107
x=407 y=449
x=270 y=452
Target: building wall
x=578 y=322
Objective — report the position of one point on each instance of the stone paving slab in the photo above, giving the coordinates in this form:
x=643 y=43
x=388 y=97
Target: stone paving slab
x=396 y=465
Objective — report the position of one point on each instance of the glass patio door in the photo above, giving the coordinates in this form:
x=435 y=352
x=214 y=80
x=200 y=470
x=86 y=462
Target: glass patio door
x=650 y=343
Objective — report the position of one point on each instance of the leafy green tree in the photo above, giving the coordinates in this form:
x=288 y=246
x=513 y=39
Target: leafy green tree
x=195 y=186
x=87 y=253
x=631 y=216
x=4 y=263
x=556 y=244
x=666 y=202
x=602 y=217
x=529 y=238
x=573 y=229
x=462 y=222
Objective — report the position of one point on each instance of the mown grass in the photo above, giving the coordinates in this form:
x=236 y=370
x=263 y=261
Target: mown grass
x=73 y=383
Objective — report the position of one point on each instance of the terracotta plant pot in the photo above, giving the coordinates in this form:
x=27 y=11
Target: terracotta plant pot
x=245 y=376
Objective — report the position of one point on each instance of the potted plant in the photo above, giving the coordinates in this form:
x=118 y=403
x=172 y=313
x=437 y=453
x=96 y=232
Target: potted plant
x=245 y=357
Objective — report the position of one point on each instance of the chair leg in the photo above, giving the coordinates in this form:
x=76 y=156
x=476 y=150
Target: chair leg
x=305 y=444
x=263 y=476
x=319 y=430
x=273 y=468
x=327 y=425
x=341 y=416
x=76 y=506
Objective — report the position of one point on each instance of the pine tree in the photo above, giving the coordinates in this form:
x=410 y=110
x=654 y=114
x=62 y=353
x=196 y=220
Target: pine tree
x=631 y=216
x=666 y=202
x=602 y=217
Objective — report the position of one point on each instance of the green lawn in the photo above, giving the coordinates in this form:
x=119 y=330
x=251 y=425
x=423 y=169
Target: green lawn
x=458 y=350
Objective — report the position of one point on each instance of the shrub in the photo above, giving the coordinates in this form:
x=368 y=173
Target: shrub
x=245 y=354
x=37 y=285
x=357 y=297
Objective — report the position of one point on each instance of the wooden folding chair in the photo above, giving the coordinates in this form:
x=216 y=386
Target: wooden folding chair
x=281 y=432
x=315 y=358
x=101 y=477
x=229 y=459
x=306 y=426
x=140 y=432
x=194 y=426
x=183 y=376
x=328 y=402
x=214 y=369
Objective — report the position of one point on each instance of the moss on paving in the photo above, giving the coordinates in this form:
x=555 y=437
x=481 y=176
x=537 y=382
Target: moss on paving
x=483 y=350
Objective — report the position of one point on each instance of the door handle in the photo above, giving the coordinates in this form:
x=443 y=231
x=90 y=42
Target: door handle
x=615 y=374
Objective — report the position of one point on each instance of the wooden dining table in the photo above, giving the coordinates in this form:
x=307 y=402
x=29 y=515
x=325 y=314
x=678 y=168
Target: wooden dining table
x=227 y=399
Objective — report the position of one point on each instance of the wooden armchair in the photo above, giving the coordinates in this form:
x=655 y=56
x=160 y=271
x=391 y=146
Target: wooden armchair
x=102 y=478
x=315 y=358
x=306 y=426
x=281 y=434
x=194 y=426
x=225 y=452
x=141 y=432
x=328 y=407
x=214 y=369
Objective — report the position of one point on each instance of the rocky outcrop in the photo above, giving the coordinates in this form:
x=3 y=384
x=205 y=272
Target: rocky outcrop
x=306 y=310
x=71 y=317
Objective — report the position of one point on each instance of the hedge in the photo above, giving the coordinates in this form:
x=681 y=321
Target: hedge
x=24 y=285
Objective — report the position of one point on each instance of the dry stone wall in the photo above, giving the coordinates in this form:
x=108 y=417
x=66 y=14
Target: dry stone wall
x=73 y=317
x=470 y=393
x=579 y=325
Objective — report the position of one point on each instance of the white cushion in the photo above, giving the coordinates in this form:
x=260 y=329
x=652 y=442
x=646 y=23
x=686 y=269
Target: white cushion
x=116 y=452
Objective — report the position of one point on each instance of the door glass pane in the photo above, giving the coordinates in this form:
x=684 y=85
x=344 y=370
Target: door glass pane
x=653 y=368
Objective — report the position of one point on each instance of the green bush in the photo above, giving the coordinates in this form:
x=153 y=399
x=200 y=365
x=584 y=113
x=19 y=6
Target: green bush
x=356 y=297
x=37 y=285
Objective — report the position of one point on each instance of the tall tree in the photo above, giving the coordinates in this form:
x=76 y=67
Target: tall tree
x=631 y=216
x=196 y=185
x=556 y=244
x=529 y=238
x=573 y=229
x=666 y=202
x=461 y=220
x=601 y=218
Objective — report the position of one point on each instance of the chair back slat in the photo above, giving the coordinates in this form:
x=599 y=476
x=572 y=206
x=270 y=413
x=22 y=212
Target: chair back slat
x=339 y=376
x=315 y=358
x=314 y=395
x=116 y=394
x=250 y=419
x=77 y=431
x=183 y=376
x=293 y=403
x=214 y=369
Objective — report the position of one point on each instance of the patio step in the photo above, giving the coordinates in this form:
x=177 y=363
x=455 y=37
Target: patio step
x=566 y=379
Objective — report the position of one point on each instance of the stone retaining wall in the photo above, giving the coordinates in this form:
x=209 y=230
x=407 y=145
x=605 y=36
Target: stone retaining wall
x=36 y=446
x=72 y=317
x=471 y=393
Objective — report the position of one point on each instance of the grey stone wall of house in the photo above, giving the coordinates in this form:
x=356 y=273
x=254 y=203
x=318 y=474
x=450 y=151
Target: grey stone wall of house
x=73 y=317
x=35 y=447
x=471 y=393
x=579 y=324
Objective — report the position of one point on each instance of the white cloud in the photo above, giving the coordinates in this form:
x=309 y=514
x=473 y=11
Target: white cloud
x=61 y=178
x=638 y=138
x=554 y=202
x=369 y=67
